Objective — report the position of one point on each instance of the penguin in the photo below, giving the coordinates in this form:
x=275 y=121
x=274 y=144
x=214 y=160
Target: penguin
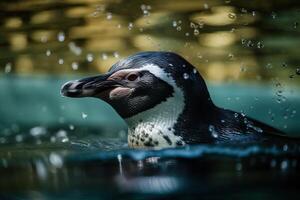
x=165 y=102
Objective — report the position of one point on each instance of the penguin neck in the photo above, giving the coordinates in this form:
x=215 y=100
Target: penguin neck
x=194 y=122
x=155 y=126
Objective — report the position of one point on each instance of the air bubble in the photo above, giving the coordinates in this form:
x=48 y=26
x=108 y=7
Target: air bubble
x=195 y=71
x=298 y=71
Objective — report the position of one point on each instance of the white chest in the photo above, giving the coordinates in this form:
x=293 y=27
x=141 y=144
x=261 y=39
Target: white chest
x=147 y=135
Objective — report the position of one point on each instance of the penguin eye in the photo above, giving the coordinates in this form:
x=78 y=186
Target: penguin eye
x=132 y=77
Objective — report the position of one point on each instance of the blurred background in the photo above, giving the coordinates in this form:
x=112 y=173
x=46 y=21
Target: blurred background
x=247 y=51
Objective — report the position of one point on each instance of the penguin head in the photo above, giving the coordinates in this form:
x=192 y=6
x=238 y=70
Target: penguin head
x=141 y=82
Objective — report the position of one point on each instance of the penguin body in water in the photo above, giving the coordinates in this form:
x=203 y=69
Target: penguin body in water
x=165 y=103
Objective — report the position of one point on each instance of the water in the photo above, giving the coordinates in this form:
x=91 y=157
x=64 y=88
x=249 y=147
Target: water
x=77 y=170
x=57 y=148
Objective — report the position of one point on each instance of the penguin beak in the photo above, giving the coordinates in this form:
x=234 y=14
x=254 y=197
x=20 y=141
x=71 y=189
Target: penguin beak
x=95 y=86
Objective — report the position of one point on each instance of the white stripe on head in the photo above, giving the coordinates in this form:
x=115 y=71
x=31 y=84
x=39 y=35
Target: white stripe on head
x=158 y=121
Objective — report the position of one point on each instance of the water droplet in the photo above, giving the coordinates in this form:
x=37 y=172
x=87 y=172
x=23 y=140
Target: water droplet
x=61 y=36
x=116 y=54
x=61 y=61
x=48 y=52
x=185 y=76
x=196 y=32
x=230 y=56
x=243 y=10
x=74 y=65
x=55 y=160
x=44 y=39
x=212 y=131
x=273 y=163
x=109 y=16
x=239 y=166
x=104 y=56
x=37 y=131
x=232 y=15
x=296 y=24
x=19 y=138
x=89 y=57
x=71 y=127
x=74 y=49
x=83 y=115
x=130 y=26
x=284 y=165
x=243 y=68
x=61 y=133
x=7 y=68
x=174 y=23
x=41 y=170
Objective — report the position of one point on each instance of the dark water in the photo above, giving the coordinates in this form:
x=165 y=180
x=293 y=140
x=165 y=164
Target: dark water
x=77 y=171
x=57 y=148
